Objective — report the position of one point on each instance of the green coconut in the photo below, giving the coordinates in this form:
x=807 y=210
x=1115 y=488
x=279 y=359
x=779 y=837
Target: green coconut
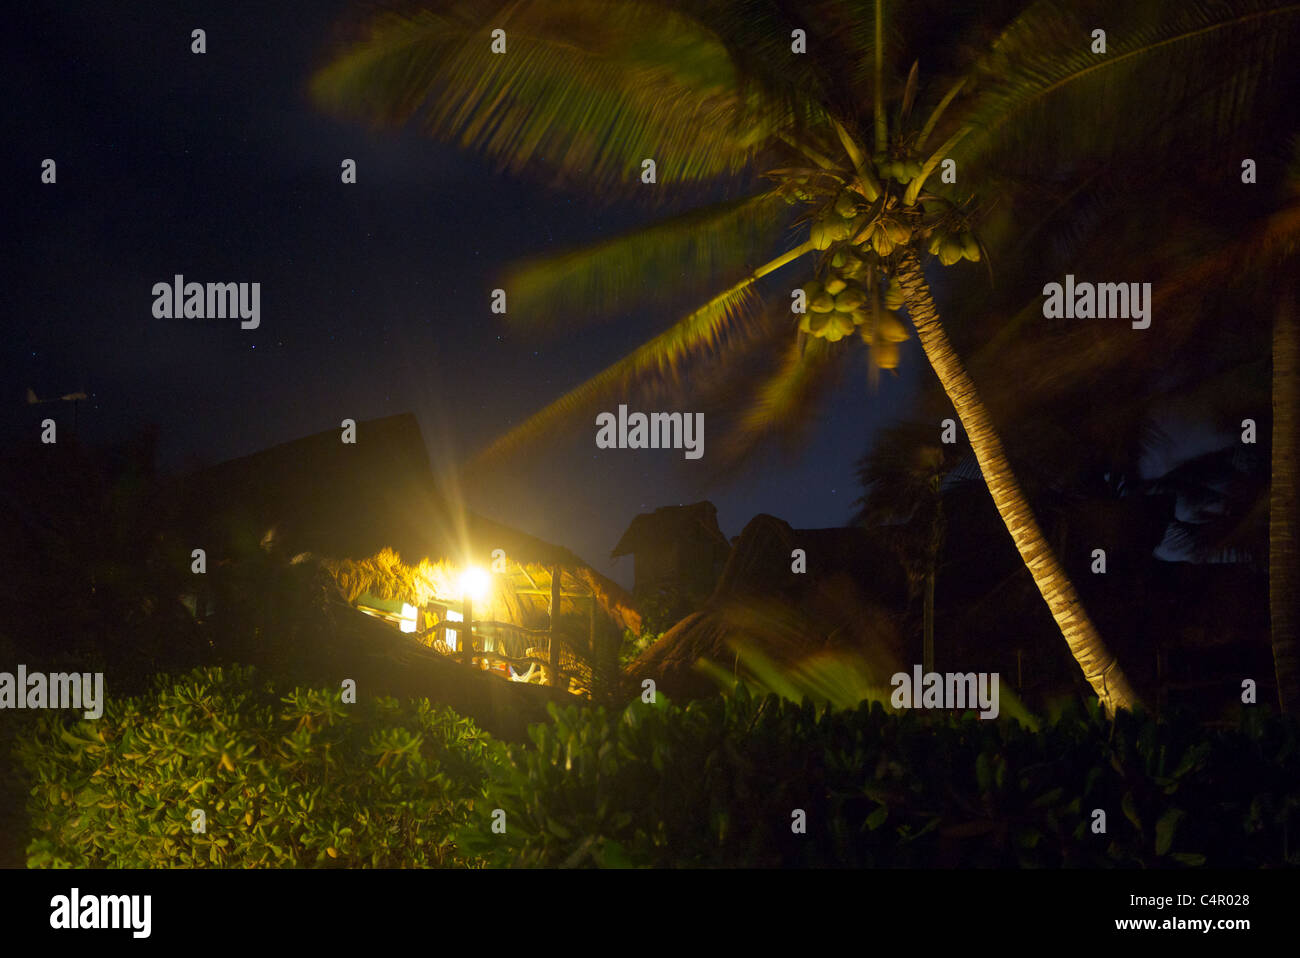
x=887 y=355
x=849 y=299
x=949 y=252
x=881 y=240
x=898 y=231
x=890 y=329
x=822 y=233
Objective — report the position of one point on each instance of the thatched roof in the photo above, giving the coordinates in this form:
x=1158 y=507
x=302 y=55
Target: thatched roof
x=847 y=598
x=652 y=530
x=341 y=501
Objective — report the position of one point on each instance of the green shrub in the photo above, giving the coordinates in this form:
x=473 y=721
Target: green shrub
x=714 y=784
x=302 y=780
x=633 y=645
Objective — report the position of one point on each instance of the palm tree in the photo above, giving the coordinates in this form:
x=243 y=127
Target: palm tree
x=904 y=477
x=720 y=93
x=1255 y=274
x=1235 y=256
x=1269 y=249
x=1283 y=577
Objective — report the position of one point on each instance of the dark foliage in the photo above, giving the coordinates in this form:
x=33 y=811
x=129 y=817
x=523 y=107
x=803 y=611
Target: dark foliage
x=715 y=784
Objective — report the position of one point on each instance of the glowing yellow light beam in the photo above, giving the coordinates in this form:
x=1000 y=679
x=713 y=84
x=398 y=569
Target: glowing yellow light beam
x=475 y=583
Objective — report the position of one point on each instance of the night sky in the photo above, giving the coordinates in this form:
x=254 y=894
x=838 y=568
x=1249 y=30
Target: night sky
x=374 y=296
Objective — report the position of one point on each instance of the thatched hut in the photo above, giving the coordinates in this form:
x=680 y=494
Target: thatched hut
x=371 y=514
x=679 y=553
x=850 y=597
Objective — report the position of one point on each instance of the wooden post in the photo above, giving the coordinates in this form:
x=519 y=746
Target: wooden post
x=594 y=643
x=556 y=572
x=467 y=633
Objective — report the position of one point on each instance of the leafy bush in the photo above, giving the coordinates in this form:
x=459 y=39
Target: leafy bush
x=633 y=645
x=302 y=780
x=715 y=784
x=668 y=605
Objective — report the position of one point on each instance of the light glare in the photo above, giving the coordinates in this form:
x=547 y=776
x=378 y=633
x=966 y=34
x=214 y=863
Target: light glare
x=474 y=583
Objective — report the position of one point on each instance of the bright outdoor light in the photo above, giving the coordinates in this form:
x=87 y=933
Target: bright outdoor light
x=408 y=617
x=474 y=583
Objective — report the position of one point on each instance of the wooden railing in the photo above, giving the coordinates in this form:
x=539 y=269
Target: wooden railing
x=557 y=672
x=520 y=663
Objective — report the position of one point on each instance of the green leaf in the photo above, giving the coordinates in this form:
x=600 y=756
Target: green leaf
x=984 y=773
x=614 y=855
x=1165 y=828
x=1130 y=810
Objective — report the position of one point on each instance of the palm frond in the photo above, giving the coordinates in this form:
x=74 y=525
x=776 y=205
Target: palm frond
x=1201 y=63
x=655 y=363
x=783 y=406
x=835 y=76
x=905 y=473
x=1229 y=536
x=835 y=679
x=680 y=253
x=585 y=87
x=1198 y=482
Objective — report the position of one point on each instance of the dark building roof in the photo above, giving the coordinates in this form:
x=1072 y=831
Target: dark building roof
x=849 y=597
x=697 y=522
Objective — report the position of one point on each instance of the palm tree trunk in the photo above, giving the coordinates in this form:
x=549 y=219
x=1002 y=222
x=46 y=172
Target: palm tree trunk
x=1283 y=576
x=927 y=639
x=1099 y=666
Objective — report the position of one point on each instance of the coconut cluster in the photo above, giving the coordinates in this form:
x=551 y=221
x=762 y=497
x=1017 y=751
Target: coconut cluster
x=845 y=302
x=839 y=221
x=858 y=293
x=900 y=169
x=951 y=247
